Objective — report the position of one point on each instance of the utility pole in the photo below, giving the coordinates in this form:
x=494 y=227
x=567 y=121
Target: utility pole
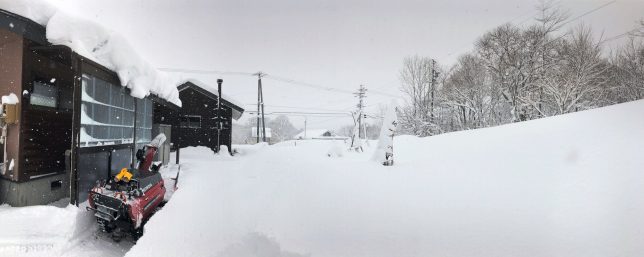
x=434 y=75
x=260 y=106
x=355 y=142
x=361 y=94
x=304 y=127
x=219 y=119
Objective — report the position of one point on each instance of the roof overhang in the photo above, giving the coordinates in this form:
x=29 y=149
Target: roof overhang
x=236 y=109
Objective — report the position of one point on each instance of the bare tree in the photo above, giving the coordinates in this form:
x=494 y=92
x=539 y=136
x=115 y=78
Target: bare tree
x=577 y=81
x=629 y=70
x=521 y=73
x=468 y=91
x=511 y=56
x=418 y=83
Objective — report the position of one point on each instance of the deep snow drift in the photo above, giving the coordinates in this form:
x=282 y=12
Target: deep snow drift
x=563 y=186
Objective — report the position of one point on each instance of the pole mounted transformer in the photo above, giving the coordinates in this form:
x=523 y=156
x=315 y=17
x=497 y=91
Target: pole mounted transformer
x=220 y=123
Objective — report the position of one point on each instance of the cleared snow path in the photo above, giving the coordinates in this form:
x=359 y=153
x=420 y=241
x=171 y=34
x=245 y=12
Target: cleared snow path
x=564 y=186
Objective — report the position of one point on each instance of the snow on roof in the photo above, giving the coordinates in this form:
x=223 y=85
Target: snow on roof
x=95 y=42
x=213 y=90
x=311 y=133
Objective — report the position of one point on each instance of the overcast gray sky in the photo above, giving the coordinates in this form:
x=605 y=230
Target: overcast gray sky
x=338 y=44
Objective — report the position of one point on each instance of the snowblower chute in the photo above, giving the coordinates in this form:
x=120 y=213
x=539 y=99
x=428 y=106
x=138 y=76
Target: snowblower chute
x=123 y=203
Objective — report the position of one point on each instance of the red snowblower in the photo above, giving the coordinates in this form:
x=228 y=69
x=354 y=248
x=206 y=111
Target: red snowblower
x=123 y=203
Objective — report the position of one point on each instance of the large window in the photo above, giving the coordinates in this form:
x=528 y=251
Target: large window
x=191 y=121
x=143 y=122
x=107 y=115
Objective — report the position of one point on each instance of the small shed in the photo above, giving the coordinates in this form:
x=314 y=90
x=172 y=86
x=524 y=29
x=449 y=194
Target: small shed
x=198 y=117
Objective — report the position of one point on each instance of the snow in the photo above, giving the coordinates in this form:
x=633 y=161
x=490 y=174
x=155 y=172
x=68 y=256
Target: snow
x=214 y=90
x=10 y=99
x=561 y=186
x=99 y=44
x=62 y=230
x=384 y=150
x=317 y=134
x=158 y=140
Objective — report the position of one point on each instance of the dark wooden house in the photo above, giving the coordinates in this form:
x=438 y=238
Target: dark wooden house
x=76 y=123
x=198 y=121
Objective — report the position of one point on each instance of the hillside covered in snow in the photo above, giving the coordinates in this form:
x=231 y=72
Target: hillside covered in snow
x=561 y=186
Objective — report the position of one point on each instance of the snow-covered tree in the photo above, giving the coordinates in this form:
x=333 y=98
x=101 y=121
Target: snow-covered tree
x=419 y=84
x=576 y=81
x=628 y=66
x=384 y=151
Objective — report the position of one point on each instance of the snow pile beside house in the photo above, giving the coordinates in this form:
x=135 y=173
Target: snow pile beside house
x=51 y=231
x=563 y=186
x=99 y=44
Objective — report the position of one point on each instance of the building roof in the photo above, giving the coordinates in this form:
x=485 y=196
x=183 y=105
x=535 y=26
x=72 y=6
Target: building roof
x=212 y=93
x=314 y=133
x=38 y=20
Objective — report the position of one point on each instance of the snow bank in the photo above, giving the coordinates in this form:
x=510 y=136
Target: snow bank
x=53 y=231
x=99 y=44
x=562 y=186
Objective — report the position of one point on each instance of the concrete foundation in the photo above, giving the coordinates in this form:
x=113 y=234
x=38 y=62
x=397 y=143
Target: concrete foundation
x=34 y=192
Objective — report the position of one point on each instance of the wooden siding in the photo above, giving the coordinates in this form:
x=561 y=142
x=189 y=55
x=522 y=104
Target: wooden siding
x=46 y=131
x=11 y=51
x=196 y=103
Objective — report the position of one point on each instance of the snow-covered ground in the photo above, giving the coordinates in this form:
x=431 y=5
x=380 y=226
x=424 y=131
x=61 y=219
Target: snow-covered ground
x=562 y=186
x=60 y=229
x=54 y=231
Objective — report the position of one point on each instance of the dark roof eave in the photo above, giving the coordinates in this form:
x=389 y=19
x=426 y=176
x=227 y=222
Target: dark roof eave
x=23 y=26
x=205 y=92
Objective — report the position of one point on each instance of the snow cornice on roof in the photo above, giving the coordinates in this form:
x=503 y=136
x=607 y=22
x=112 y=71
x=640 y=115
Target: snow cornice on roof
x=99 y=44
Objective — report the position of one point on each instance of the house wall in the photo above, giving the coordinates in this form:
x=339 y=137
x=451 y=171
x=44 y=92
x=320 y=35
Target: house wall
x=11 y=53
x=46 y=130
x=195 y=103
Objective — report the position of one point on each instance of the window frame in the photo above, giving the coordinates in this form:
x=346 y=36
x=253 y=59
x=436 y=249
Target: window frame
x=52 y=85
x=190 y=120
x=108 y=124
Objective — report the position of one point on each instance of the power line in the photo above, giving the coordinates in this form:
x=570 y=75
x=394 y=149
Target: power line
x=299 y=107
x=216 y=72
x=273 y=77
x=620 y=35
x=464 y=46
x=563 y=24
x=327 y=120
x=589 y=12
x=295 y=82
x=578 y=17
x=294 y=113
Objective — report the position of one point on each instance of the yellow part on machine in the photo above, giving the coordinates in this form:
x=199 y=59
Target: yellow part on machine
x=124 y=174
